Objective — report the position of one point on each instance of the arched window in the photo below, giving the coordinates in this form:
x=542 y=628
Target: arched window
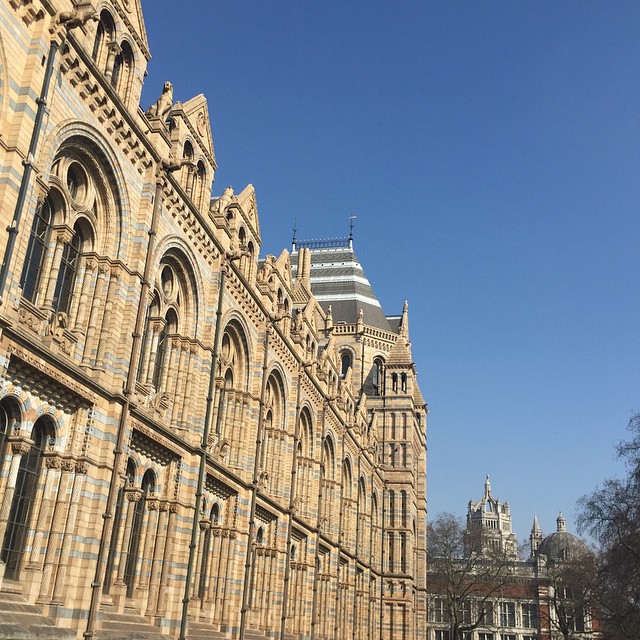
x=403 y=381
x=394 y=382
x=24 y=496
x=345 y=362
x=377 y=377
x=122 y=70
x=38 y=242
x=105 y=34
x=117 y=523
x=170 y=327
x=148 y=487
x=392 y=508
x=68 y=272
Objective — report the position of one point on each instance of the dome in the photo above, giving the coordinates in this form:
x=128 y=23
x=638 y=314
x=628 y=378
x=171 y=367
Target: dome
x=562 y=545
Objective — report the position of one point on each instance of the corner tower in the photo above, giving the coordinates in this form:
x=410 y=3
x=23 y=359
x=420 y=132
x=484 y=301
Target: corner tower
x=373 y=352
x=490 y=520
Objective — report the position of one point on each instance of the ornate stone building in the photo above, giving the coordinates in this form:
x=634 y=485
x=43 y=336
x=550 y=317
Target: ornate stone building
x=490 y=594
x=145 y=492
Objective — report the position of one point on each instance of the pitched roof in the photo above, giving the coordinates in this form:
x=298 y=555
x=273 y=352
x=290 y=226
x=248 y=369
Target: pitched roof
x=337 y=279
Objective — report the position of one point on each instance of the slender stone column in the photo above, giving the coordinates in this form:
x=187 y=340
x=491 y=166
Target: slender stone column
x=87 y=281
x=151 y=529
x=96 y=309
x=62 y=238
x=56 y=530
x=69 y=530
x=180 y=374
x=106 y=337
x=132 y=496
x=158 y=552
x=164 y=577
x=52 y=473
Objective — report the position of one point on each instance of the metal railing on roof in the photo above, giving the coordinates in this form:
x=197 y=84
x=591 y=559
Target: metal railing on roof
x=325 y=243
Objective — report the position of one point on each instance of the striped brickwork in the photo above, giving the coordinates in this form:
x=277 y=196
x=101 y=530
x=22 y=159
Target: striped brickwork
x=311 y=522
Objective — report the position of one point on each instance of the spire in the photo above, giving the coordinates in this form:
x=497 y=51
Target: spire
x=487 y=487
x=536 y=527
x=536 y=536
x=404 y=322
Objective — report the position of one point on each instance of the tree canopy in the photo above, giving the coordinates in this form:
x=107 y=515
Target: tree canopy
x=611 y=514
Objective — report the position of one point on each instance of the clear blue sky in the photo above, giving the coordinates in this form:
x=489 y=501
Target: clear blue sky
x=490 y=151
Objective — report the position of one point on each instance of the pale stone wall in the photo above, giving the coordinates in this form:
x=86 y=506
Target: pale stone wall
x=312 y=516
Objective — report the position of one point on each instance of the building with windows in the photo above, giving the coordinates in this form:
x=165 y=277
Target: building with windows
x=489 y=594
x=194 y=441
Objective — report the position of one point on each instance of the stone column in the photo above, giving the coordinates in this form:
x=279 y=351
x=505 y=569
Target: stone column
x=106 y=330
x=158 y=555
x=52 y=465
x=151 y=528
x=164 y=575
x=80 y=469
x=131 y=498
x=56 y=530
x=63 y=236
x=188 y=393
x=204 y=525
x=96 y=310
x=180 y=375
x=88 y=280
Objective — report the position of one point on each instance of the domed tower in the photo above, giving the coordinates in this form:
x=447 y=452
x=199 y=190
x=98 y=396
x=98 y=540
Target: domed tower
x=561 y=545
x=489 y=526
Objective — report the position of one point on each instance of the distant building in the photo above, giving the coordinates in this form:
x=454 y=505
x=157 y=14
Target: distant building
x=191 y=436
x=533 y=599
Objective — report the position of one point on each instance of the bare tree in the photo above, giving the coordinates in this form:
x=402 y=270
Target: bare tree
x=611 y=514
x=571 y=589
x=464 y=577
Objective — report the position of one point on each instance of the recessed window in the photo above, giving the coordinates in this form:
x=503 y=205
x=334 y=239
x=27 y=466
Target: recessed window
x=76 y=182
x=167 y=279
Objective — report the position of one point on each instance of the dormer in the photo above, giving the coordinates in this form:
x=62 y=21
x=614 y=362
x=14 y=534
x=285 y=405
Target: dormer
x=117 y=43
x=236 y=218
x=192 y=144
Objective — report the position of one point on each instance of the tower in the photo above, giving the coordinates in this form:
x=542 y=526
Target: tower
x=489 y=526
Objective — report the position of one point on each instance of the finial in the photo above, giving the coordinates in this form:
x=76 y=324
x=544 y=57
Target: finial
x=293 y=241
x=561 y=522
x=351 y=219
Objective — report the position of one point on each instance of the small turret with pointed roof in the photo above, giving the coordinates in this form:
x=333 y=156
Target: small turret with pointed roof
x=535 y=538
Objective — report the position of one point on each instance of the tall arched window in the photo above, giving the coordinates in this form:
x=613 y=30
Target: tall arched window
x=38 y=241
x=122 y=70
x=117 y=523
x=68 y=272
x=24 y=496
x=345 y=362
x=377 y=377
x=105 y=34
x=148 y=487
x=392 y=508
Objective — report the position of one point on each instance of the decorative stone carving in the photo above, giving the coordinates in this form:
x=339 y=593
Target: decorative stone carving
x=161 y=107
